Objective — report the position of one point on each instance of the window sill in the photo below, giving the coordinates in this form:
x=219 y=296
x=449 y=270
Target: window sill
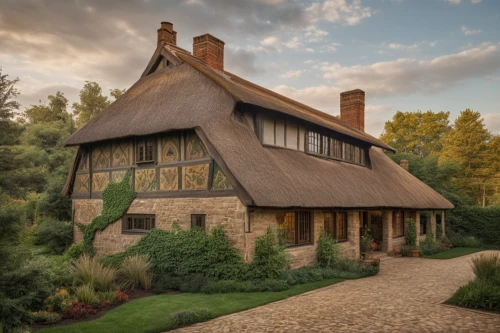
x=135 y=232
x=299 y=247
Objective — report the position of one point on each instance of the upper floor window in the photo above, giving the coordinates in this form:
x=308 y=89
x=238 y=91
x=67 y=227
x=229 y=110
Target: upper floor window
x=336 y=148
x=314 y=142
x=145 y=149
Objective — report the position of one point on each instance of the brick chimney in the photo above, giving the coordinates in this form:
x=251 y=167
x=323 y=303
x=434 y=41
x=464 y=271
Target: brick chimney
x=210 y=50
x=352 y=108
x=167 y=34
x=404 y=164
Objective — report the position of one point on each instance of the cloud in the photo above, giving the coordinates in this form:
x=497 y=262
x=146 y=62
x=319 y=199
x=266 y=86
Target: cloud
x=475 y=1
x=338 y=11
x=454 y=2
x=314 y=34
x=241 y=61
x=409 y=47
x=408 y=76
x=291 y=74
x=492 y=121
x=469 y=32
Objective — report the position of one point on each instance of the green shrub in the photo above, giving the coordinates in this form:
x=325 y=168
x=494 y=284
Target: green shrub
x=109 y=296
x=472 y=241
x=55 y=269
x=429 y=246
x=85 y=294
x=45 y=317
x=271 y=259
x=135 y=271
x=75 y=251
x=188 y=317
x=192 y=283
x=478 y=294
x=186 y=252
x=227 y=286
x=89 y=271
x=54 y=234
x=411 y=233
x=59 y=302
x=327 y=250
x=482 y=223
x=164 y=283
x=486 y=266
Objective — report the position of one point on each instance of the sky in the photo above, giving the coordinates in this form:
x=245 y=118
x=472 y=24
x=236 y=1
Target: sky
x=407 y=55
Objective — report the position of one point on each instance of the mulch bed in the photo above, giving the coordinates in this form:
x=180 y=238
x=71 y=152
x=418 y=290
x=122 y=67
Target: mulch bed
x=136 y=294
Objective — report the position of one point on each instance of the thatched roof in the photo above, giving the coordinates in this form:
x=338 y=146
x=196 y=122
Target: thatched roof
x=192 y=95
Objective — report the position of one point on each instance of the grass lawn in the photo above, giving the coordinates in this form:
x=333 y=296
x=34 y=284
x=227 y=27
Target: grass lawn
x=150 y=314
x=454 y=252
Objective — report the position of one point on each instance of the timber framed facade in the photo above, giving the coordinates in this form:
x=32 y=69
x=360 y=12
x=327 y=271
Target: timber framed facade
x=207 y=148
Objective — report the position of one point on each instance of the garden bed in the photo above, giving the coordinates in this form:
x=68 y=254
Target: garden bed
x=130 y=316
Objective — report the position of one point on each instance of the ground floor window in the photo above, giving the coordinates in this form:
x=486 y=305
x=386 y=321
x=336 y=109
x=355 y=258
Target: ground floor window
x=336 y=225
x=398 y=228
x=135 y=223
x=296 y=227
x=423 y=223
x=198 y=221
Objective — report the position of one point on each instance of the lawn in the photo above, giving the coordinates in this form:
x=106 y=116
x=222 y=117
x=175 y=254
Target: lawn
x=150 y=314
x=454 y=253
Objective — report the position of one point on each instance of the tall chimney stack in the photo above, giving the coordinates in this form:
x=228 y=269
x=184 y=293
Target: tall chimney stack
x=210 y=50
x=167 y=34
x=352 y=108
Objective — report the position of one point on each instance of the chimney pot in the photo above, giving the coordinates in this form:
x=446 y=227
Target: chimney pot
x=210 y=50
x=166 y=33
x=352 y=108
x=404 y=164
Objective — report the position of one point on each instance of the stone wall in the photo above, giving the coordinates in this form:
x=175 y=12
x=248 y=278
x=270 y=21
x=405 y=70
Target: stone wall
x=226 y=211
x=241 y=228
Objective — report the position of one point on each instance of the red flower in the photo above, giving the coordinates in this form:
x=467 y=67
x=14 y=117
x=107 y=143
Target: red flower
x=121 y=296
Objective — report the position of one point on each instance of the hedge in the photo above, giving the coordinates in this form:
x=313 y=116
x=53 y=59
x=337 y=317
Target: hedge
x=483 y=223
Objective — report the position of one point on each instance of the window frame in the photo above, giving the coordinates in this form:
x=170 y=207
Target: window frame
x=203 y=221
x=299 y=216
x=142 y=141
x=125 y=223
x=334 y=232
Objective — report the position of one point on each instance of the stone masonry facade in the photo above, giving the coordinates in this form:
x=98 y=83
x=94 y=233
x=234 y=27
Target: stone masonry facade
x=241 y=227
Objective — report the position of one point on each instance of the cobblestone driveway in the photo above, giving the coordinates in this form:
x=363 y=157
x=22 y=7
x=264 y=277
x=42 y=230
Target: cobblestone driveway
x=404 y=297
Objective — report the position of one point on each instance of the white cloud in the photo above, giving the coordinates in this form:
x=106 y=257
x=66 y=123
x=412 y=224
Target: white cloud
x=475 y=1
x=314 y=34
x=338 y=11
x=469 y=32
x=399 y=77
x=307 y=62
x=492 y=121
x=454 y=2
x=330 y=48
x=409 y=47
x=291 y=74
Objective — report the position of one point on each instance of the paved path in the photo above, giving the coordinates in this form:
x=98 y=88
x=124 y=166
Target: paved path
x=404 y=297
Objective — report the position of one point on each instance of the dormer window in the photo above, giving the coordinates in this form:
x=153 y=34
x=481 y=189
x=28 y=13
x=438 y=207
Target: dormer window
x=145 y=149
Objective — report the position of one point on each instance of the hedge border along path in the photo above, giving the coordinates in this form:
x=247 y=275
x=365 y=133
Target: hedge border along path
x=454 y=253
x=116 y=199
x=126 y=318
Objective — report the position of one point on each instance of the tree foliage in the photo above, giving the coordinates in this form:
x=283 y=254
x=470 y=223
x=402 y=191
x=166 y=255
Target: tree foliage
x=56 y=110
x=418 y=133
x=92 y=102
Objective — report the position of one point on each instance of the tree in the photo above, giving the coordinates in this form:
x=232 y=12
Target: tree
x=116 y=93
x=419 y=133
x=92 y=102
x=8 y=105
x=54 y=111
x=467 y=144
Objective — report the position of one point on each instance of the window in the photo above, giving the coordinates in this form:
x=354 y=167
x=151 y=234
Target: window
x=296 y=227
x=145 y=149
x=198 y=221
x=361 y=156
x=336 y=225
x=314 y=142
x=398 y=228
x=423 y=224
x=325 y=145
x=336 y=148
x=138 y=223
